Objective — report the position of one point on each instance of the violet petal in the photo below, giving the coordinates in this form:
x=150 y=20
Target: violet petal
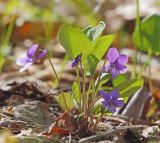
x=22 y=61
x=122 y=71
x=122 y=59
x=106 y=68
x=118 y=103
x=121 y=68
x=111 y=108
x=74 y=64
x=114 y=72
x=32 y=50
x=115 y=94
x=113 y=54
x=27 y=66
x=105 y=95
x=76 y=61
x=42 y=54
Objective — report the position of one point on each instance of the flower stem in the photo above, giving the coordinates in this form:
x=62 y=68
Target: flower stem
x=79 y=86
x=138 y=26
x=150 y=78
x=83 y=90
x=59 y=84
x=99 y=78
x=96 y=88
x=89 y=89
x=144 y=66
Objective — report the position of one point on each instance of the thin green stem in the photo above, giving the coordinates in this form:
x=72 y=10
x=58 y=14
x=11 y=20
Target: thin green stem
x=99 y=78
x=9 y=30
x=83 y=88
x=97 y=86
x=59 y=84
x=89 y=90
x=150 y=78
x=145 y=65
x=138 y=26
x=79 y=86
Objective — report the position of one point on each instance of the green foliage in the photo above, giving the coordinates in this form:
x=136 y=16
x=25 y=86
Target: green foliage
x=94 y=32
x=120 y=79
x=92 y=63
x=5 y=33
x=100 y=110
x=2 y=61
x=100 y=46
x=69 y=100
x=146 y=38
x=128 y=88
x=104 y=79
x=74 y=41
x=92 y=46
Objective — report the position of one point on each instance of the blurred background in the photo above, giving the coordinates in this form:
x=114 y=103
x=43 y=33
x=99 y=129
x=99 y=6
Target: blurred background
x=39 y=20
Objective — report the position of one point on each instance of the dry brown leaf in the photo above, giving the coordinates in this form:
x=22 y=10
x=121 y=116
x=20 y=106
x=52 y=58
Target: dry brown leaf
x=63 y=126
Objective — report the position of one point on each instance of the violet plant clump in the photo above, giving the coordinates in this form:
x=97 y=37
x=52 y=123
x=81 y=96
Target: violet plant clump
x=86 y=48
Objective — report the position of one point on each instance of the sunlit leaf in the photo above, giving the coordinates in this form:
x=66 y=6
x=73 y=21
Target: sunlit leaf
x=120 y=79
x=129 y=87
x=69 y=101
x=100 y=46
x=92 y=63
x=74 y=41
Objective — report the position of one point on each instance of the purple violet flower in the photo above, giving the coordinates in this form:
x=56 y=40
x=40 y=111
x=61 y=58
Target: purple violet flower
x=111 y=101
x=33 y=55
x=116 y=63
x=76 y=61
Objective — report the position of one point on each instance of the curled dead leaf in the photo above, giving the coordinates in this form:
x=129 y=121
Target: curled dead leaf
x=63 y=126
